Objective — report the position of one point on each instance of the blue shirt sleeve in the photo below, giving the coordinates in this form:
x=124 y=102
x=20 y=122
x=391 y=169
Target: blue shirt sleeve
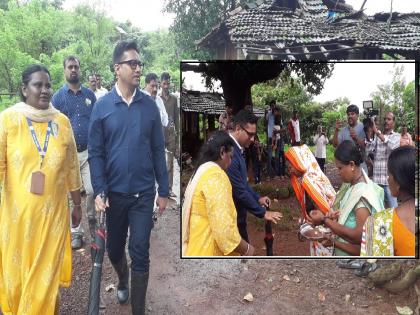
x=96 y=152
x=242 y=193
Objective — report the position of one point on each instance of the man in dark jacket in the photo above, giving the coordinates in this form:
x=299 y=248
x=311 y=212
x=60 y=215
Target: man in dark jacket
x=127 y=156
x=245 y=199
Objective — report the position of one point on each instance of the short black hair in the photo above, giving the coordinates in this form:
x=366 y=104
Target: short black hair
x=210 y=151
x=402 y=166
x=150 y=77
x=165 y=76
x=367 y=123
x=272 y=102
x=393 y=116
x=70 y=58
x=244 y=117
x=121 y=48
x=348 y=151
x=26 y=76
x=353 y=109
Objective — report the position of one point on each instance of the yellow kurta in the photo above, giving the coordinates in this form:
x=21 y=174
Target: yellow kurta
x=213 y=226
x=35 y=252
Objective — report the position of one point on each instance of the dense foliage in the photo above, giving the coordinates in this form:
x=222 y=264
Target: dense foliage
x=39 y=31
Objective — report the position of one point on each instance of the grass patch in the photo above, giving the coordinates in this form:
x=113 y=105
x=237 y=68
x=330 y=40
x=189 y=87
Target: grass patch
x=286 y=223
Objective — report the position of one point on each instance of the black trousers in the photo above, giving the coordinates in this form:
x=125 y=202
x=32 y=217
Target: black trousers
x=129 y=211
x=321 y=163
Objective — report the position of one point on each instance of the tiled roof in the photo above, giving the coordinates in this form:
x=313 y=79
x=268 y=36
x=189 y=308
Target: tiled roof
x=206 y=102
x=274 y=27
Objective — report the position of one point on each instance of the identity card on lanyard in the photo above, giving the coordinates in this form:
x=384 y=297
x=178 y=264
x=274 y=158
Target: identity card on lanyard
x=38 y=177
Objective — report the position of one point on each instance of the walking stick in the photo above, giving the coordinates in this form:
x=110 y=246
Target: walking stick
x=98 y=250
x=269 y=238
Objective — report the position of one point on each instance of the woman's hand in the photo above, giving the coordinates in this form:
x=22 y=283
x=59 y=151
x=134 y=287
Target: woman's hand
x=328 y=242
x=76 y=216
x=333 y=215
x=251 y=251
x=317 y=217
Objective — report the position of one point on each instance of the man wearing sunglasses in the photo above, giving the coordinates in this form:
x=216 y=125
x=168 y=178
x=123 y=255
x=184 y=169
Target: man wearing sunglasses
x=244 y=197
x=127 y=157
x=76 y=102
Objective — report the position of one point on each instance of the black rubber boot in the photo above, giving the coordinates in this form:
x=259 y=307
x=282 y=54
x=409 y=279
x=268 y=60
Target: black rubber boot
x=121 y=268
x=139 y=283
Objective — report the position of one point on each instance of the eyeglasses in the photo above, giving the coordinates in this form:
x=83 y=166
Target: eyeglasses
x=250 y=134
x=133 y=63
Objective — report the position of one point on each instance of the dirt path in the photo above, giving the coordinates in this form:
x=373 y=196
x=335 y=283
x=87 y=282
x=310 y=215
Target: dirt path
x=217 y=286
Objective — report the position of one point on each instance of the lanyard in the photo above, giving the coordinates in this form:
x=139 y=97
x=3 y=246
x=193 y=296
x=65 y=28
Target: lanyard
x=42 y=152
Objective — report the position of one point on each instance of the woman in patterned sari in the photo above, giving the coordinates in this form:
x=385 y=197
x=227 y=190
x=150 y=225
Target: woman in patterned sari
x=312 y=188
x=209 y=226
x=36 y=175
x=391 y=232
x=357 y=199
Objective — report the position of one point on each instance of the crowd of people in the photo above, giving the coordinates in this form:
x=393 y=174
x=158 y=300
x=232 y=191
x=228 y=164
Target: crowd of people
x=372 y=214
x=118 y=146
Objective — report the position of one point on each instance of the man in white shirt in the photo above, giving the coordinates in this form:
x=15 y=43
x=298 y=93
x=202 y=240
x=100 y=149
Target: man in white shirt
x=321 y=142
x=294 y=129
x=381 y=147
x=93 y=85
x=151 y=89
x=99 y=84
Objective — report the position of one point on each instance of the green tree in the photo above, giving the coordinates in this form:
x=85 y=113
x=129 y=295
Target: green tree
x=398 y=98
x=194 y=19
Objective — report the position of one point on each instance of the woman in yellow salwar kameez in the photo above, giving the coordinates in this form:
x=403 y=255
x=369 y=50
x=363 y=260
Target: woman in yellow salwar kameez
x=38 y=167
x=209 y=224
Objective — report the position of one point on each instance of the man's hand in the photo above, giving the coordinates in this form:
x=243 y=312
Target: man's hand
x=99 y=204
x=353 y=134
x=272 y=216
x=76 y=216
x=338 y=125
x=161 y=202
x=264 y=201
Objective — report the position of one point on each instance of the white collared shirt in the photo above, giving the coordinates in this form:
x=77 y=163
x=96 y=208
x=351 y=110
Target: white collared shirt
x=161 y=106
x=242 y=150
x=128 y=102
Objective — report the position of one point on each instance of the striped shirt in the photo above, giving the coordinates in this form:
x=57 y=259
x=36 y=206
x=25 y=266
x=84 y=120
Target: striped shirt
x=381 y=151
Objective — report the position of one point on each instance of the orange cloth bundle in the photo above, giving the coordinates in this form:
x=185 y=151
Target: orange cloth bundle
x=314 y=182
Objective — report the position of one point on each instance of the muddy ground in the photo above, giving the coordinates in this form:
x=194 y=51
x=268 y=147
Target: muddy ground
x=217 y=286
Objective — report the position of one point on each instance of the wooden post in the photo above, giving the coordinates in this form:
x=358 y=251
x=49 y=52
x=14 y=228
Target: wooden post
x=204 y=127
x=212 y=125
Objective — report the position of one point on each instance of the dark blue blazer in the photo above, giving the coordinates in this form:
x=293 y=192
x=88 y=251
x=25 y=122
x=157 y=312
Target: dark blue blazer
x=126 y=146
x=244 y=197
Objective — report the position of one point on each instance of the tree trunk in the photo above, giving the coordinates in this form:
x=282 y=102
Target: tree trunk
x=386 y=277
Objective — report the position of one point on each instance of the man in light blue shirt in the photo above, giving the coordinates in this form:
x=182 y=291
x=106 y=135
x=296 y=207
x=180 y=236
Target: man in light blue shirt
x=353 y=131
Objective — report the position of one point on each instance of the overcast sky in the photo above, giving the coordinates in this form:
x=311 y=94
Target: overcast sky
x=147 y=14
x=356 y=81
